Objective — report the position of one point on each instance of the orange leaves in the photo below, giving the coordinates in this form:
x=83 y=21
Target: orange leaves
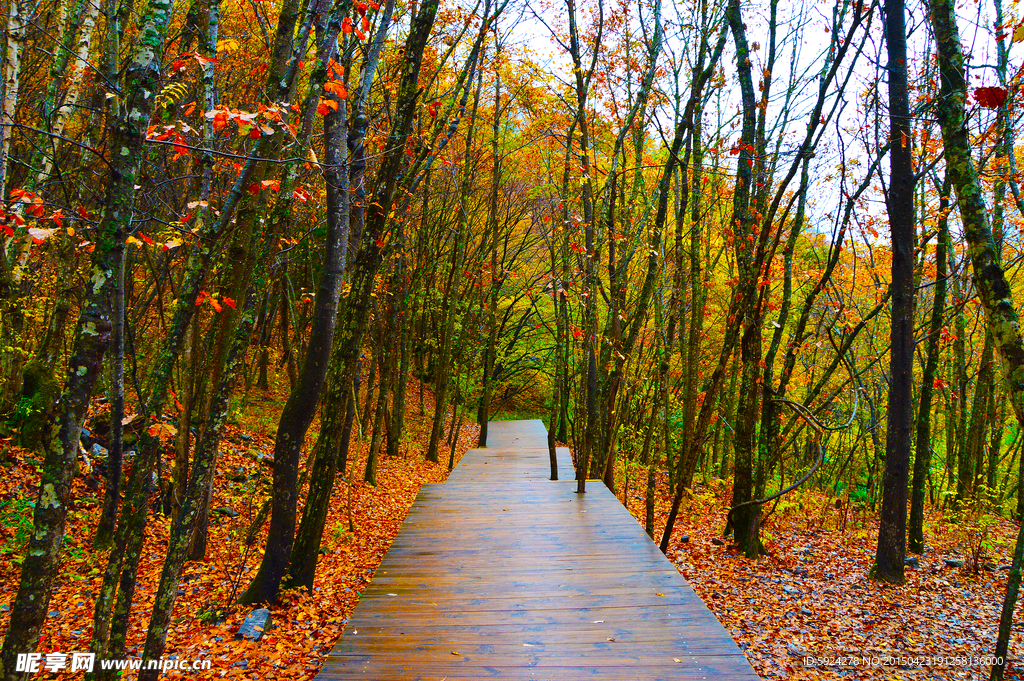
x=255 y=124
x=173 y=133
x=138 y=239
x=326 y=106
x=990 y=97
x=337 y=88
x=31 y=205
x=219 y=119
x=164 y=431
x=305 y=625
x=334 y=88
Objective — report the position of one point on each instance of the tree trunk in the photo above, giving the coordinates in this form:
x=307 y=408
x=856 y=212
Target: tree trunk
x=892 y=532
x=92 y=337
x=110 y=619
x=923 y=448
x=989 y=278
x=196 y=496
x=304 y=397
x=345 y=355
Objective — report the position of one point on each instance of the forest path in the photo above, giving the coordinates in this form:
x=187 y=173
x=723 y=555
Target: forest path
x=501 y=573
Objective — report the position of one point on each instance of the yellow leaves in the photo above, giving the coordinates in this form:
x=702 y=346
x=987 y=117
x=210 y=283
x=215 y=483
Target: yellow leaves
x=227 y=45
x=1018 y=34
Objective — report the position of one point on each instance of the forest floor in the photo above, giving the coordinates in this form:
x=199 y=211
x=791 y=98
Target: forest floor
x=811 y=597
x=304 y=626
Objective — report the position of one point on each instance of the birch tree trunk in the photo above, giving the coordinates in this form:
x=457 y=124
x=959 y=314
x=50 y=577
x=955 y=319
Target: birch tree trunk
x=92 y=336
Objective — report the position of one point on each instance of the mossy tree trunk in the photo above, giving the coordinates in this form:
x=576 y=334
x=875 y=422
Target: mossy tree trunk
x=91 y=338
x=989 y=278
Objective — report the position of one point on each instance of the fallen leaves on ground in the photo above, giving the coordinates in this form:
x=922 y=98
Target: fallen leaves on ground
x=811 y=596
x=304 y=626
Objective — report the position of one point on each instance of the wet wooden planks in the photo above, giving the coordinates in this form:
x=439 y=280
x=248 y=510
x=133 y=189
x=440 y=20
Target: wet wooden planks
x=501 y=573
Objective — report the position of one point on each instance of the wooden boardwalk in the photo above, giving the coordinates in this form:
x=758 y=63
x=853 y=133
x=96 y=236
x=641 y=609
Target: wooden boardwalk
x=501 y=573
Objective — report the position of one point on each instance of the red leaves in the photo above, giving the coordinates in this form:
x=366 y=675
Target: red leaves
x=214 y=303
x=990 y=97
x=742 y=146
x=256 y=187
x=348 y=26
